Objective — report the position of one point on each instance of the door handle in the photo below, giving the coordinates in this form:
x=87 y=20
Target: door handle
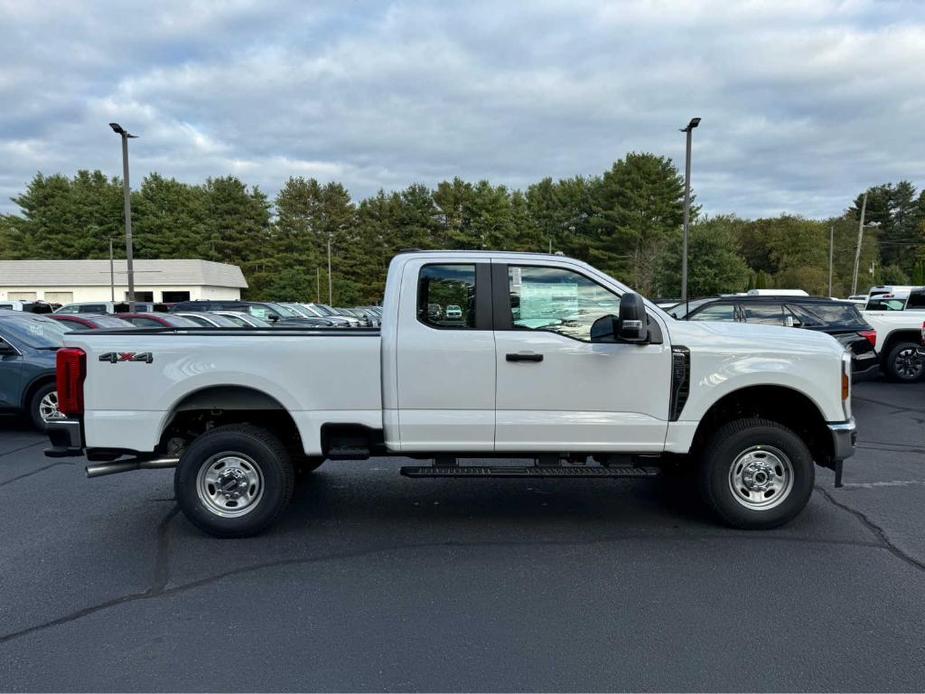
x=524 y=356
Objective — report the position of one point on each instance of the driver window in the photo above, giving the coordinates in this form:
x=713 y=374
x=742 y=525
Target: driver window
x=558 y=300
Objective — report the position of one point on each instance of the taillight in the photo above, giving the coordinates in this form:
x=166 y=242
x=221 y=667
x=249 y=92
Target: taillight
x=871 y=335
x=71 y=370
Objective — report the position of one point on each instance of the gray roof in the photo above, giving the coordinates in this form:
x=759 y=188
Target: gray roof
x=91 y=273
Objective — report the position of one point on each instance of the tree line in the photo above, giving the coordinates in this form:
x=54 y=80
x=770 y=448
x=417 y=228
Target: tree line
x=626 y=221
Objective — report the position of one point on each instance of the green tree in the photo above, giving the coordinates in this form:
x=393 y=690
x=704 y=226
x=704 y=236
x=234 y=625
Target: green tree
x=638 y=205
x=714 y=265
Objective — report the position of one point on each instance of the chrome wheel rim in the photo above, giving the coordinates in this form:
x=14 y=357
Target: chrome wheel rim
x=908 y=363
x=230 y=484
x=48 y=407
x=761 y=477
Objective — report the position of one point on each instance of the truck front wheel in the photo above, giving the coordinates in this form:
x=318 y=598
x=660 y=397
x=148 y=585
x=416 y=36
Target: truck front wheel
x=234 y=481
x=756 y=473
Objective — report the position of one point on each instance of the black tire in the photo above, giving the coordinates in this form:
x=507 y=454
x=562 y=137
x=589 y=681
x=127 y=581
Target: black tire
x=35 y=404
x=903 y=363
x=734 y=460
x=261 y=455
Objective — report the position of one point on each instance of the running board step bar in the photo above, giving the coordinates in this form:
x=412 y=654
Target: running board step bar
x=526 y=471
x=128 y=465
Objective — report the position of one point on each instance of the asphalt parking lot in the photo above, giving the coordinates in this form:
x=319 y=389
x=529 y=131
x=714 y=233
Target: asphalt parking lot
x=376 y=582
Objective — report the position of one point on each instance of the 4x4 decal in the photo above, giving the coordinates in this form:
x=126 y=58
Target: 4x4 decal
x=114 y=357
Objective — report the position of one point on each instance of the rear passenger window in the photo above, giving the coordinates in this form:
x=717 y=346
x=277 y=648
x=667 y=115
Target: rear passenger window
x=768 y=314
x=916 y=300
x=92 y=308
x=723 y=312
x=446 y=296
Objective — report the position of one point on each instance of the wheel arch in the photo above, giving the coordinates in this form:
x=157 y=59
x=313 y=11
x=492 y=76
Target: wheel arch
x=782 y=404
x=217 y=405
x=900 y=335
x=37 y=382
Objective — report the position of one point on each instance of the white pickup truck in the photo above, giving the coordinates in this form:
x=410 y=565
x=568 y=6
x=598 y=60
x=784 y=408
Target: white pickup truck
x=898 y=316
x=548 y=362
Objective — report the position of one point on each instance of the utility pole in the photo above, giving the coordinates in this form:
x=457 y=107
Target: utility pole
x=112 y=274
x=330 y=284
x=831 y=251
x=317 y=285
x=857 y=252
x=127 y=192
x=689 y=130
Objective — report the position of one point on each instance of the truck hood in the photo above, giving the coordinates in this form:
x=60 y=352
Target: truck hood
x=742 y=337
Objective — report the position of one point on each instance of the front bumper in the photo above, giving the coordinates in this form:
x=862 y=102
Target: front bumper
x=844 y=438
x=66 y=436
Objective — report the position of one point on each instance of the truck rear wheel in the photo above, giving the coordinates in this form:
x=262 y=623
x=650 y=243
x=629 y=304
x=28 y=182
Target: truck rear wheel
x=234 y=481
x=757 y=474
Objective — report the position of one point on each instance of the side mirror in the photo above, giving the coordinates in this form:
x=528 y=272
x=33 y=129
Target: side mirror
x=634 y=322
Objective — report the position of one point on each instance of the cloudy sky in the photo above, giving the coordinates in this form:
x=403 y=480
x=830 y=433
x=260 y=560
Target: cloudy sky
x=804 y=104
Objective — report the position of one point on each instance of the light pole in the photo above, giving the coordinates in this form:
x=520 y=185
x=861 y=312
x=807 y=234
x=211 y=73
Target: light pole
x=831 y=252
x=689 y=130
x=857 y=251
x=112 y=274
x=330 y=284
x=127 y=192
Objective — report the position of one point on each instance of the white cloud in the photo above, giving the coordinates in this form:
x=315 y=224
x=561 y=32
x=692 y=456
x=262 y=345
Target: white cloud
x=803 y=104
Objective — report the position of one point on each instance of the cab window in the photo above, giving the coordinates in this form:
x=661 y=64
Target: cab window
x=557 y=300
x=446 y=296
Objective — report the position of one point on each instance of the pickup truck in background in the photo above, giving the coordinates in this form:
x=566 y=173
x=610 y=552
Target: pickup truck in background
x=549 y=361
x=898 y=316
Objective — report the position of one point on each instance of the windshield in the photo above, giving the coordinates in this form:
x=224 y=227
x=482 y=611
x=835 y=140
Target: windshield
x=34 y=331
x=285 y=311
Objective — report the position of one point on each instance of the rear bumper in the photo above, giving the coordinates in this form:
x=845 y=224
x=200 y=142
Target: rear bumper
x=844 y=438
x=66 y=436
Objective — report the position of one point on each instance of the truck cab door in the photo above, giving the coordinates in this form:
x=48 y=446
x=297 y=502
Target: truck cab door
x=443 y=349
x=557 y=390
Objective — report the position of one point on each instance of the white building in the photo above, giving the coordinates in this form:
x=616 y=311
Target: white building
x=67 y=281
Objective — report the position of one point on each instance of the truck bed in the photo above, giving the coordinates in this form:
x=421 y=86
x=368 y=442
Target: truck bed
x=136 y=378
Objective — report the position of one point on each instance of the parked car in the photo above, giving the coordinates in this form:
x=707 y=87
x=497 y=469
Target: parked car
x=28 y=343
x=28 y=306
x=753 y=407
x=326 y=311
x=158 y=320
x=840 y=319
x=453 y=312
x=312 y=311
x=243 y=320
x=209 y=319
x=265 y=310
x=92 y=321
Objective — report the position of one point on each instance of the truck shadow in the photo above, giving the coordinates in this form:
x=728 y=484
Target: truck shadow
x=384 y=498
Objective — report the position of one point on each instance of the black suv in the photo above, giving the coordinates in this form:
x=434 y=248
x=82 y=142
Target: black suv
x=840 y=319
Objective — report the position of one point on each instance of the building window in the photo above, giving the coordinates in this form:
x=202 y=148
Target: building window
x=174 y=297
x=142 y=296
